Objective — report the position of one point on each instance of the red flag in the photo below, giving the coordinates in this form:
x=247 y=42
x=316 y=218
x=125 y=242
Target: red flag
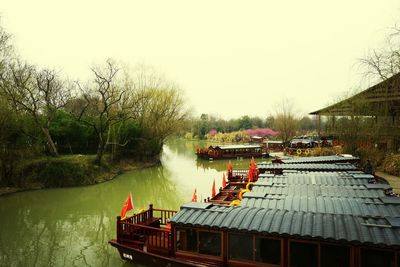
x=229 y=166
x=194 y=197
x=250 y=176
x=128 y=205
x=252 y=163
x=223 y=181
x=213 y=189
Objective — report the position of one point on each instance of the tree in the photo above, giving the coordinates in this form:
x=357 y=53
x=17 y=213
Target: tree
x=37 y=93
x=159 y=108
x=104 y=105
x=165 y=115
x=384 y=63
x=269 y=121
x=285 y=120
x=245 y=122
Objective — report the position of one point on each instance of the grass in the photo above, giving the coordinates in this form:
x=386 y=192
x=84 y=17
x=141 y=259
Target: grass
x=71 y=170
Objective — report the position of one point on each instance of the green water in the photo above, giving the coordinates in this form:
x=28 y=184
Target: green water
x=71 y=226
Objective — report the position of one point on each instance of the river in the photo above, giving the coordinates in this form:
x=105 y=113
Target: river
x=71 y=226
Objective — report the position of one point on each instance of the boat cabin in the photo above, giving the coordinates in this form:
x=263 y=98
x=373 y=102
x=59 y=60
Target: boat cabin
x=232 y=151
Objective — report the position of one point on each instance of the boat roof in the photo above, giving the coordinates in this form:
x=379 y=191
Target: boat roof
x=358 y=191
x=223 y=147
x=330 y=206
x=306 y=166
x=373 y=207
x=349 y=228
x=333 y=158
x=273 y=141
x=301 y=178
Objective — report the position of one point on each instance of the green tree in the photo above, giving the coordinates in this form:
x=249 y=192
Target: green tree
x=37 y=93
x=245 y=122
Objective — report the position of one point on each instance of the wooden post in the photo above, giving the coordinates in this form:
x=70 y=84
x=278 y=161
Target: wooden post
x=118 y=228
x=151 y=211
x=319 y=125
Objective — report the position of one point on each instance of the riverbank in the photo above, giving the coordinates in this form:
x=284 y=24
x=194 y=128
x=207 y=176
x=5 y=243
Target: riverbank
x=69 y=171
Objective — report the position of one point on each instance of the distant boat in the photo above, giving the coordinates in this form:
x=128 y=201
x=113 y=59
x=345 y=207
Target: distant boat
x=232 y=151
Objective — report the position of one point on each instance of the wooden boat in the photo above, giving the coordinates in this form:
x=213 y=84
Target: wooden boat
x=321 y=219
x=232 y=151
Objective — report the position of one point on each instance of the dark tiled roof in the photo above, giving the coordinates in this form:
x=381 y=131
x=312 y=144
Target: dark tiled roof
x=334 y=158
x=307 y=166
x=357 y=191
x=309 y=178
x=374 y=207
x=321 y=226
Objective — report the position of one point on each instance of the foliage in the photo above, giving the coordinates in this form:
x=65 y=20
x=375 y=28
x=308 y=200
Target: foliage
x=391 y=164
x=262 y=132
x=326 y=151
x=233 y=137
x=123 y=114
x=374 y=155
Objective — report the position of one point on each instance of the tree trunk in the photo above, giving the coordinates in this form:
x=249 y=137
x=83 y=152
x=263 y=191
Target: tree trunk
x=100 y=151
x=50 y=143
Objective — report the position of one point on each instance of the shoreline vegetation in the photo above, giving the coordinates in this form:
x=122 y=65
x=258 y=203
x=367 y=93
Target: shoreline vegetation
x=70 y=171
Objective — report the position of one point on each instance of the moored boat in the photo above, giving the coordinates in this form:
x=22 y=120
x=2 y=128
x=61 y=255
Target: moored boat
x=232 y=151
x=296 y=218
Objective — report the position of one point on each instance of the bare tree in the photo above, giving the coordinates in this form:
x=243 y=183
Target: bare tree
x=384 y=63
x=6 y=49
x=38 y=93
x=105 y=105
x=285 y=120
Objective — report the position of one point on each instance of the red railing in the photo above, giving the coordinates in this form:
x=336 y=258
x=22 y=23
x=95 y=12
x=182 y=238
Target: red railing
x=164 y=215
x=143 y=229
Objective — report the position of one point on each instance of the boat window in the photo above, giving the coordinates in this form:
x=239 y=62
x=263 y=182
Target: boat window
x=374 y=257
x=240 y=246
x=186 y=239
x=210 y=243
x=333 y=256
x=303 y=254
x=268 y=250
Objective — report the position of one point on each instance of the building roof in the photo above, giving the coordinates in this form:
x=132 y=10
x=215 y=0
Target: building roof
x=382 y=232
x=307 y=166
x=380 y=99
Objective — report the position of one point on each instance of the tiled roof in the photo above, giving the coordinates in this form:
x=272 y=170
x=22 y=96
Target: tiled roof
x=328 y=178
x=309 y=225
x=307 y=166
x=357 y=191
x=334 y=158
x=374 y=207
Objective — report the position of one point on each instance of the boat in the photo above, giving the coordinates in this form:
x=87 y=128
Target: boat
x=299 y=217
x=232 y=151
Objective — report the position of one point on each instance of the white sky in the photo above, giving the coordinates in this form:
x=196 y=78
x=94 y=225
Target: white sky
x=232 y=58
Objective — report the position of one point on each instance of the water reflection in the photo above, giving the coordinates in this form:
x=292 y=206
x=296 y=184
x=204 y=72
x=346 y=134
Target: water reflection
x=71 y=226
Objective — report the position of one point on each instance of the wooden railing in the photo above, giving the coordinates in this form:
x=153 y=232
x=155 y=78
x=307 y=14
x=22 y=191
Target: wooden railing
x=164 y=215
x=143 y=229
x=152 y=237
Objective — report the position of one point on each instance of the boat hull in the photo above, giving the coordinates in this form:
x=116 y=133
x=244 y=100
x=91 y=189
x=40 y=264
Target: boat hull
x=139 y=256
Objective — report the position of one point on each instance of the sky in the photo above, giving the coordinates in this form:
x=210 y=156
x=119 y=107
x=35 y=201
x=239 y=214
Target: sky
x=230 y=58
